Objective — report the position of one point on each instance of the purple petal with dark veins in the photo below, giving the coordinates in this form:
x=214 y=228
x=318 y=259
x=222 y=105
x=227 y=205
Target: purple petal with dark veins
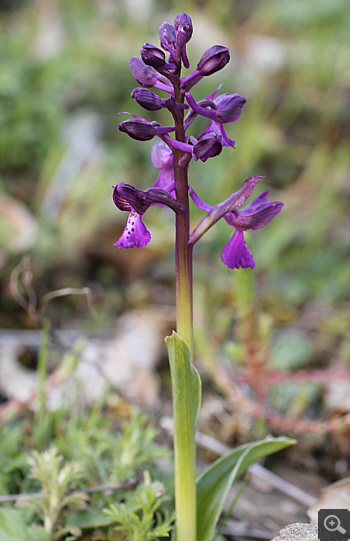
x=255 y=215
x=143 y=74
x=229 y=107
x=235 y=201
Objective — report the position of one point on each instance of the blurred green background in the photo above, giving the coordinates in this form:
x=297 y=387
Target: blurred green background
x=65 y=77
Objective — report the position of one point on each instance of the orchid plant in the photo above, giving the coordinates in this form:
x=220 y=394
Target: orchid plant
x=198 y=503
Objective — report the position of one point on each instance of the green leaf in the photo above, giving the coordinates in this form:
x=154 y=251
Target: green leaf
x=13 y=527
x=214 y=484
x=186 y=389
x=185 y=378
x=89 y=518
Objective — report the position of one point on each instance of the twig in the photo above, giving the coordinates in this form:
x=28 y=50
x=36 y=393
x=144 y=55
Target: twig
x=126 y=485
x=283 y=423
x=233 y=528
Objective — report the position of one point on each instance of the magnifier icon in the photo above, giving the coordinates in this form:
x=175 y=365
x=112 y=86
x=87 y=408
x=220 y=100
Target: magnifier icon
x=332 y=524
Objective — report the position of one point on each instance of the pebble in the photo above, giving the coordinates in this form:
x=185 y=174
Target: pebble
x=297 y=532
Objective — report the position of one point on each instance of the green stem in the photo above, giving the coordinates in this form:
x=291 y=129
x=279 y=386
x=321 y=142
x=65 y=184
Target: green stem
x=184 y=429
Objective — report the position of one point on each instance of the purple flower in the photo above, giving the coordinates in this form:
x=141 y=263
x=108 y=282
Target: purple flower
x=224 y=109
x=256 y=214
x=167 y=38
x=145 y=76
x=162 y=158
x=135 y=233
x=147 y=99
x=214 y=59
x=136 y=202
x=183 y=29
x=207 y=146
x=236 y=254
x=141 y=129
x=152 y=56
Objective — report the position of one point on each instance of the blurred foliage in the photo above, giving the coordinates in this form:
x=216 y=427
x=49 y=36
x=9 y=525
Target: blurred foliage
x=90 y=450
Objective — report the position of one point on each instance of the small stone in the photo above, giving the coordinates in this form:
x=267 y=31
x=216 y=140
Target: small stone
x=297 y=532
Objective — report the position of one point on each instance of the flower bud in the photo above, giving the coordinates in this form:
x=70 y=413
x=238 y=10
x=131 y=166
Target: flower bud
x=147 y=99
x=214 y=59
x=152 y=56
x=142 y=73
x=183 y=23
x=208 y=146
x=138 y=129
x=228 y=107
x=167 y=37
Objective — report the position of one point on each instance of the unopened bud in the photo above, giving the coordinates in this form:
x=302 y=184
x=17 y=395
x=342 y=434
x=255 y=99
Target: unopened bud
x=229 y=107
x=208 y=146
x=167 y=37
x=214 y=59
x=183 y=23
x=152 y=56
x=142 y=73
x=147 y=99
x=138 y=129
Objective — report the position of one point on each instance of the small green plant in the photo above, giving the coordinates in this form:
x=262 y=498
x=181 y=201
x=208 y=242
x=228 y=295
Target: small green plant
x=56 y=480
x=139 y=517
x=135 y=447
x=109 y=456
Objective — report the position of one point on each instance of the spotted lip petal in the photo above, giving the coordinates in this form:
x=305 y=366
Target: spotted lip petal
x=135 y=233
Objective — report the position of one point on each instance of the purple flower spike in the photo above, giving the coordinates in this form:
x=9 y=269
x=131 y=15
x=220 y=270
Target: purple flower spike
x=236 y=254
x=134 y=234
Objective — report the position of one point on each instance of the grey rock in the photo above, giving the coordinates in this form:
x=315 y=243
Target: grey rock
x=297 y=532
